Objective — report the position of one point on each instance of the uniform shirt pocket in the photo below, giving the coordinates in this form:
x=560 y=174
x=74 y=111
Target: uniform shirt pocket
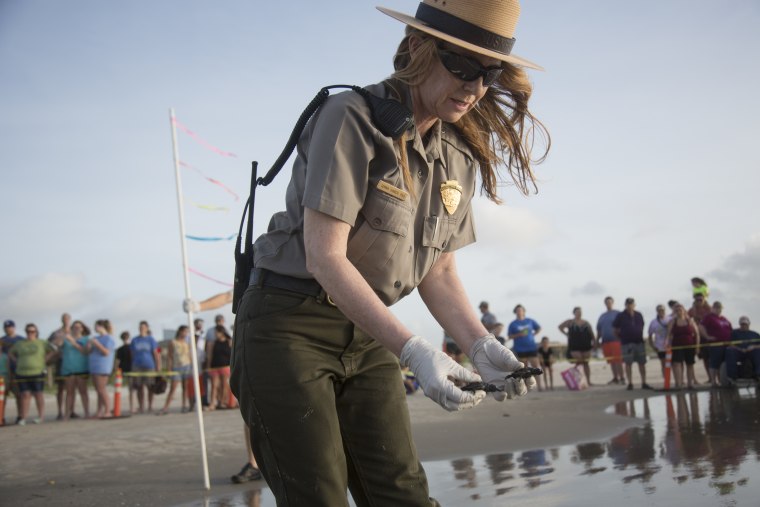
x=385 y=224
x=437 y=231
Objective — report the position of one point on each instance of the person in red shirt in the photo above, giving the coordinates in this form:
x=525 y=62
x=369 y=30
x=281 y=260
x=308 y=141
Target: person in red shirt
x=714 y=330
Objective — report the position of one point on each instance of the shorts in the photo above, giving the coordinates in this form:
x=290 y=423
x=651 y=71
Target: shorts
x=613 y=352
x=684 y=356
x=634 y=353
x=84 y=374
x=526 y=355
x=142 y=380
x=220 y=371
x=716 y=355
x=185 y=372
x=31 y=383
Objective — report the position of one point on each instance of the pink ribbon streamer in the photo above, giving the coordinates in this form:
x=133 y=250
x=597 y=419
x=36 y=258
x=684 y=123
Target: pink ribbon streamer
x=196 y=272
x=212 y=180
x=198 y=139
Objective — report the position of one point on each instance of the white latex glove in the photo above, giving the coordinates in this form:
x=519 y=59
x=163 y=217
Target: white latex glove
x=432 y=368
x=190 y=305
x=494 y=361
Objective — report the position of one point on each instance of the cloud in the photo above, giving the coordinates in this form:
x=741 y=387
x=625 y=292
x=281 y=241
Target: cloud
x=522 y=291
x=591 y=288
x=740 y=276
x=43 y=298
x=50 y=293
x=508 y=227
x=543 y=265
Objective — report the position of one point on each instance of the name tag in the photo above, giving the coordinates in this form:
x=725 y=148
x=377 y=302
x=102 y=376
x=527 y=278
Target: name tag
x=389 y=189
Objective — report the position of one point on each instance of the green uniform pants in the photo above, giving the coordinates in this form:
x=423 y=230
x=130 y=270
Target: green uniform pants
x=325 y=405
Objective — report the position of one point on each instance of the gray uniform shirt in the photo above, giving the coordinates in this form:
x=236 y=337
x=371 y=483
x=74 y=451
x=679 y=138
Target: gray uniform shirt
x=347 y=169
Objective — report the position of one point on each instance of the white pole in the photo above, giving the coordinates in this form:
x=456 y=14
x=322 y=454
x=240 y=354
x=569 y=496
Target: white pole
x=191 y=326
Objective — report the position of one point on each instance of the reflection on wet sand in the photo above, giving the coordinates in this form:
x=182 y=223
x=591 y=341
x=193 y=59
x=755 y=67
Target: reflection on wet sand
x=692 y=447
x=700 y=443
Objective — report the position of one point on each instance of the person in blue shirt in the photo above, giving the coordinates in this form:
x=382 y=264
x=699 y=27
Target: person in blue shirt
x=102 y=350
x=145 y=359
x=75 y=368
x=522 y=331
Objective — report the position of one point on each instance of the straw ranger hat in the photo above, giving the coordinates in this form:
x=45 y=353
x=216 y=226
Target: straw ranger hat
x=486 y=27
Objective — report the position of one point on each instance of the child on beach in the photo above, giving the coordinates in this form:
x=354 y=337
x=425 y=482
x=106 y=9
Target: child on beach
x=546 y=358
x=699 y=286
x=123 y=362
x=179 y=364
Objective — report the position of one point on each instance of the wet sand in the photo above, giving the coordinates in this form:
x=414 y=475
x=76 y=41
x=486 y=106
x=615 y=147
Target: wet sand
x=150 y=460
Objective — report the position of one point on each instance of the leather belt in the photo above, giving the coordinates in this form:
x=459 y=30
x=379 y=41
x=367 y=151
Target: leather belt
x=264 y=278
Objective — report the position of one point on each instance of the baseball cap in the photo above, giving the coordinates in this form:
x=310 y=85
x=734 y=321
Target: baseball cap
x=629 y=301
x=9 y=323
x=744 y=320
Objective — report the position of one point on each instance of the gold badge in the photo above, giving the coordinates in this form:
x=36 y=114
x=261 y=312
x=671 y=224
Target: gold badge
x=451 y=194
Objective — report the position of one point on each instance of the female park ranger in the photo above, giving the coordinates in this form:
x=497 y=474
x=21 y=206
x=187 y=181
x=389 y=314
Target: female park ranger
x=368 y=219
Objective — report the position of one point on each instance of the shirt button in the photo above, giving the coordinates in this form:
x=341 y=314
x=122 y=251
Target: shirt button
x=376 y=221
x=397 y=284
x=420 y=173
x=443 y=245
x=410 y=249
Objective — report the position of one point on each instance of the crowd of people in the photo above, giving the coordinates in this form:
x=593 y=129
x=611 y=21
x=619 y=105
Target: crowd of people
x=698 y=333
x=75 y=356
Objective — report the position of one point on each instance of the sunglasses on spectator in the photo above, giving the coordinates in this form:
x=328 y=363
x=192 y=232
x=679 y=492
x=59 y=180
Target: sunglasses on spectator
x=467 y=68
x=31 y=331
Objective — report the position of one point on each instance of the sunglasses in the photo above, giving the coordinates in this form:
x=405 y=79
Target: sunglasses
x=468 y=69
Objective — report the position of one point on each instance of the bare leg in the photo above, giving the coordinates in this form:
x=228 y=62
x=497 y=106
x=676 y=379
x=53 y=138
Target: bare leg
x=169 y=397
x=643 y=373
x=70 y=396
x=100 y=382
x=60 y=397
x=629 y=373
x=185 y=400
x=214 y=388
x=140 y=397
x=678 y=374
x=225 y=391
x=251 y=457
x=39 y=399
x=84 y=396
x=26 y=399
x=587 y=371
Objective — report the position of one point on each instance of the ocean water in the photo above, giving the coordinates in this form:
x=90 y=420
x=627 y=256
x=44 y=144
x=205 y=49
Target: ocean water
x=692 y=448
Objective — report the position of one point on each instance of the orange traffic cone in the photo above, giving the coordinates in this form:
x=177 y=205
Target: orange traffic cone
x=668 y=360
x=2 y=401
x=117 y=394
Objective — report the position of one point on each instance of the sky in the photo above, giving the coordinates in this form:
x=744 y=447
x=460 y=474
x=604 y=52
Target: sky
x=652 y=177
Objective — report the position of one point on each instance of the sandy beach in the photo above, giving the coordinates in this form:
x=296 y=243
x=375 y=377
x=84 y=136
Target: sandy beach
x=147 y=460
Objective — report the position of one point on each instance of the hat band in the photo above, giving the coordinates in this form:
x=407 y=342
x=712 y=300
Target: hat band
x=464 y=30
